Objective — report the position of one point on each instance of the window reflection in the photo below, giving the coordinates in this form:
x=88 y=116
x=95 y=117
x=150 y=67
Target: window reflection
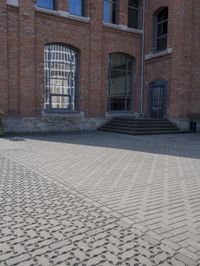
x=45 y=4
x=77 y=7
x=110 y=11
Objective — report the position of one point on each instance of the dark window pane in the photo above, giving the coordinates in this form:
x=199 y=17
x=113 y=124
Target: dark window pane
x=117 y=74
x=118 y=61
x=163 y=15
x=118 y=83
x=128 y=102
x=165 y=27
x=130 y=64
x=76 y=7
x=133 y=3
x=128 y=84
x=161 y=30
x=162 y=43
x=133 y=18
x=114 y=13
x=117 y=104
x=46 y=3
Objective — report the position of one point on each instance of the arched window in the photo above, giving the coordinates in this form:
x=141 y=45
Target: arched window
x=120 y=82
x=110 y=14
x=46 y=4
x=161 y=29
x=60 y=65
x=133 y=14
x=77 y=7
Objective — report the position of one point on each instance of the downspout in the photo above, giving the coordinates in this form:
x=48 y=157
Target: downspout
x=143 y=58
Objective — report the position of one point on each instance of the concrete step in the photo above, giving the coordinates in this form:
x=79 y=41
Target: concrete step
x=142 y=132
x=140 y=128
x=113 y=124
x=140 y=122
x=134 y=126
x=139 y=119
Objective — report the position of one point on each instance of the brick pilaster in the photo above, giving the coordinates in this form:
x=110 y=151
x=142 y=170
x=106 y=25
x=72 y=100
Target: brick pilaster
x=181 y=59
x=123 y=12
x=3 y=58
x=96 y=8
x=27 y=56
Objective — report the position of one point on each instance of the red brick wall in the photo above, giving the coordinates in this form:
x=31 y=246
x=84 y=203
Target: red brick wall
x=24 y=31
x=181 y=68
x=181 y=59
x=29 y=30
x=195 y=68
x=3 y=56
x=13 y=62
x=157 y=67
x=27 y=56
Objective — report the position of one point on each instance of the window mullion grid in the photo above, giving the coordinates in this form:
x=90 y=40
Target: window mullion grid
x=161 y=36
x=83 y=7
x=126 y=73
x=49 y=77
x=109 y=81
x=162 y=21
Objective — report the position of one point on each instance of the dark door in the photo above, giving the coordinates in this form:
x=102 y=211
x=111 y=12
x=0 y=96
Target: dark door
x=120 y=82
x=158 y=93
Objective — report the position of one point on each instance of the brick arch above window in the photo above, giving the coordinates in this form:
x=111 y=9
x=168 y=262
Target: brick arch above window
x=158 y=81
x=61 y=43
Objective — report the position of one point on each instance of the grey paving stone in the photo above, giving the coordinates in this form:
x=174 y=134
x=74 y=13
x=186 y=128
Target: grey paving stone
x=100 y=194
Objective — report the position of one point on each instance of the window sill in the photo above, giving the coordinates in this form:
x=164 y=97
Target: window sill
x=121 y=27
x=155 y=55
x=62 y=113
x=13 y=3
x=62 y=14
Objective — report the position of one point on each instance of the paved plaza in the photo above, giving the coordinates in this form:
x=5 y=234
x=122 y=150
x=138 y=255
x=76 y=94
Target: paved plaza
x=96 y=198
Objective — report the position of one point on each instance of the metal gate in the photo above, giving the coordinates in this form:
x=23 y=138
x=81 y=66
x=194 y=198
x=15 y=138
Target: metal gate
x=158 y=96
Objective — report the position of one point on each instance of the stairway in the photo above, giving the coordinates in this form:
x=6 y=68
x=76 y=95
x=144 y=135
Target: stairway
x=144 y=126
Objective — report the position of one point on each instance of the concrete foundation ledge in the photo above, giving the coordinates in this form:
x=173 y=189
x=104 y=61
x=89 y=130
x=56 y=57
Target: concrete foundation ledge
x=184 y=124
x=51 y=124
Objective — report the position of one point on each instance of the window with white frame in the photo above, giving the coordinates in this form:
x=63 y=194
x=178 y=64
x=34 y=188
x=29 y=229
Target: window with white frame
x=60 y=66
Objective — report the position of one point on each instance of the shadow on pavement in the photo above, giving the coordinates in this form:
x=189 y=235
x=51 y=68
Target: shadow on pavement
x=184 y=145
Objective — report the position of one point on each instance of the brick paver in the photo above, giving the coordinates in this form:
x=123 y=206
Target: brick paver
x=127 y=200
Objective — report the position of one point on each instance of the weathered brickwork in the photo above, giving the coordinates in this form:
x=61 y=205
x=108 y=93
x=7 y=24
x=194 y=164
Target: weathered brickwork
x=3 y=56
x=25 y=29
x=180 y=67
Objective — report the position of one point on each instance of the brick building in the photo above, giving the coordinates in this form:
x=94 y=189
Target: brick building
x=73 y=64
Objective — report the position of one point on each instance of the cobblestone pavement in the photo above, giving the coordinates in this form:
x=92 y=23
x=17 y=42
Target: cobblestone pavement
x=99 y=198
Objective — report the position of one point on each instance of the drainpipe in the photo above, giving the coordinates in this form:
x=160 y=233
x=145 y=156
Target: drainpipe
x=143 y=57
